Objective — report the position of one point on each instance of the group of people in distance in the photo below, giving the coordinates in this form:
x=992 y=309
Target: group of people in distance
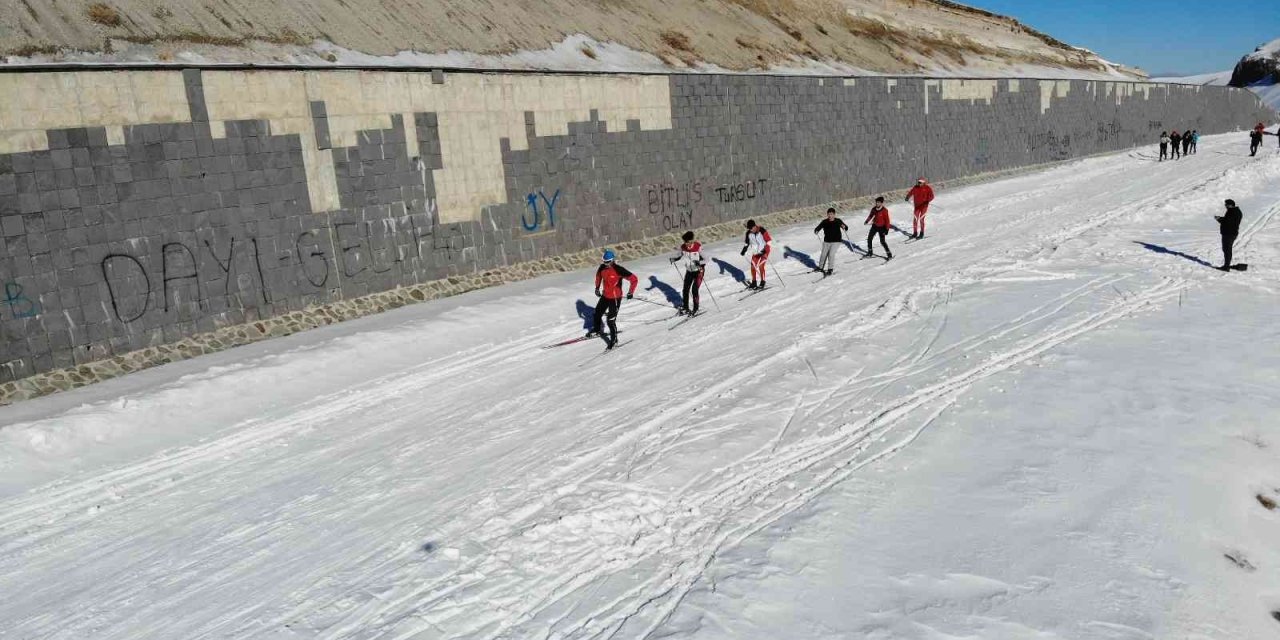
x=691 y=262
x=1255 y=137
x=1184 y=144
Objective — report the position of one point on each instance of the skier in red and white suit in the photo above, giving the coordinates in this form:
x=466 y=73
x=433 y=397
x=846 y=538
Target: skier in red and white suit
x=758 y=242
x=923 y=193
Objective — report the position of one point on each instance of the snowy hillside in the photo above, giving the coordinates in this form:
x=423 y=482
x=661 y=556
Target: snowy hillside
x=1049 y=419
x=934 y=37
x=1263 y=79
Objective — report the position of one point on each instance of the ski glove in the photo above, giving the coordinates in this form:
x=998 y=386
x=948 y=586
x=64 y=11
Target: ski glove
x=597 y=293
x=630 y=296
x=672 y=260
x=744 y=250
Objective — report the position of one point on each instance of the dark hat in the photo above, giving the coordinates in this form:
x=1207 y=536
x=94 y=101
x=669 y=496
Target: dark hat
x=1230 y=203
x=831 y=209
x=688 y=236
x=751 y=223
x=879 y=198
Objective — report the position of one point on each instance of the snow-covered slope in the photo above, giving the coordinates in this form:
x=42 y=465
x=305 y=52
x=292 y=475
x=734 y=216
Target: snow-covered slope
x=1262 y=75
x=934 y=37
x=1049 y=419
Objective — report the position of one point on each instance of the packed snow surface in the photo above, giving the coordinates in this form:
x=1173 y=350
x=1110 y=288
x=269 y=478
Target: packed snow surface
x=1049 y=419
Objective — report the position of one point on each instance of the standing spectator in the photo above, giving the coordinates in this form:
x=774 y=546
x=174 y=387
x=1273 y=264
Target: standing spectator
x=1229 y=225
x=1175 y=144
x=1164 y=145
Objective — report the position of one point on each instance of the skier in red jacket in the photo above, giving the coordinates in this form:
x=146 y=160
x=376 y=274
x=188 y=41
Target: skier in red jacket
x=609 y=277
x=923 y=193
x=878 y=218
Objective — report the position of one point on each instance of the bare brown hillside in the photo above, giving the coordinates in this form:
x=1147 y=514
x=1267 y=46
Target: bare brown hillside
x=892 y=36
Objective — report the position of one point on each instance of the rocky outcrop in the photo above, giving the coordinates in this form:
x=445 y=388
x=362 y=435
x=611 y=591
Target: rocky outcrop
x=1261 y=66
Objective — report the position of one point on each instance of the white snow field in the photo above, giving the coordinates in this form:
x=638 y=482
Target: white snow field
x=1049 y=419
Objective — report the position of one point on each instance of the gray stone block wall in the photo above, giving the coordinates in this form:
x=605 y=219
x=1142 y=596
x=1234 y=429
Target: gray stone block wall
x=111 y=248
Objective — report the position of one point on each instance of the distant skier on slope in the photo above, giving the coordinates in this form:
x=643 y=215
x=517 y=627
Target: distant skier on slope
x=1255 y=141
x=1175 y=143
x=878 y=218
x=1195 y=139
x=1164 y=145
x=1229 y=226
x=1186 y=143
x=694 y=267
x=759 y=243
x=609 y=277
x=831 y=226
x=923 y=194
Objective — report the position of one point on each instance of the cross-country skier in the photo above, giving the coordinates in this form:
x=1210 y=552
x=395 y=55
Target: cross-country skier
x=878 y=218
x=694 y=266
x=1229 y=225
x=923 y=194
x=831 y=226
x=1175 y=144
x=759 y=243
x=1164 y=145
x=1255 y=141
x=1186 y=143
x=609 y=279
x=1195 y=139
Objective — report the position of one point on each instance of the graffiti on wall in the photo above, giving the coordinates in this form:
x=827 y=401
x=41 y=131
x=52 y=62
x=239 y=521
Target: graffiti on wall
x=1057 y=146
x=535 y=210
x=738 y=192
x=19 y=305
x=672 y=204
x=238 y=265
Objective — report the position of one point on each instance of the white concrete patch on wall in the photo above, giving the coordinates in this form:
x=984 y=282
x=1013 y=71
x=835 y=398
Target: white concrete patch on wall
x=984 y=90
x=1129 y=89
x=474 y=112
x=32 y=103
x=1050 y=89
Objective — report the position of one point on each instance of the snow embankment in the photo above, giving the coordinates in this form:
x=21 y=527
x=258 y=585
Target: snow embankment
x=1049 y=419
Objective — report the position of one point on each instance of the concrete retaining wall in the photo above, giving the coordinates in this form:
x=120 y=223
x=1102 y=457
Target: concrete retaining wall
x=141 y=211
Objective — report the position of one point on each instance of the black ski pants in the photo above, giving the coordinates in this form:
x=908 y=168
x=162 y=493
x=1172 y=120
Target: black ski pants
x=607 y=308
x=1164 y=150
x=1228 y=242
x=883 y=232
x=692 y=285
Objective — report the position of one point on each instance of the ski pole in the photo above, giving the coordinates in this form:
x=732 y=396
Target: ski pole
x=648 y=300
x=775 y=272
x=712 y=295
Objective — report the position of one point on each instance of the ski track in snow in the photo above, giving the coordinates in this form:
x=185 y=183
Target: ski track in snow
x=503 y=492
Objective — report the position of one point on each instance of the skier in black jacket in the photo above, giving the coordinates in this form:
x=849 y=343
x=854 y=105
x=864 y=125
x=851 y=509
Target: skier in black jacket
x=1255 y=141
x=1229 y=224
x=831 y=227
x=1175 y=145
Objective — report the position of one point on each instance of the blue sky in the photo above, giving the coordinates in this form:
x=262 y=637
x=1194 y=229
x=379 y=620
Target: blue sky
x=1186 y=36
